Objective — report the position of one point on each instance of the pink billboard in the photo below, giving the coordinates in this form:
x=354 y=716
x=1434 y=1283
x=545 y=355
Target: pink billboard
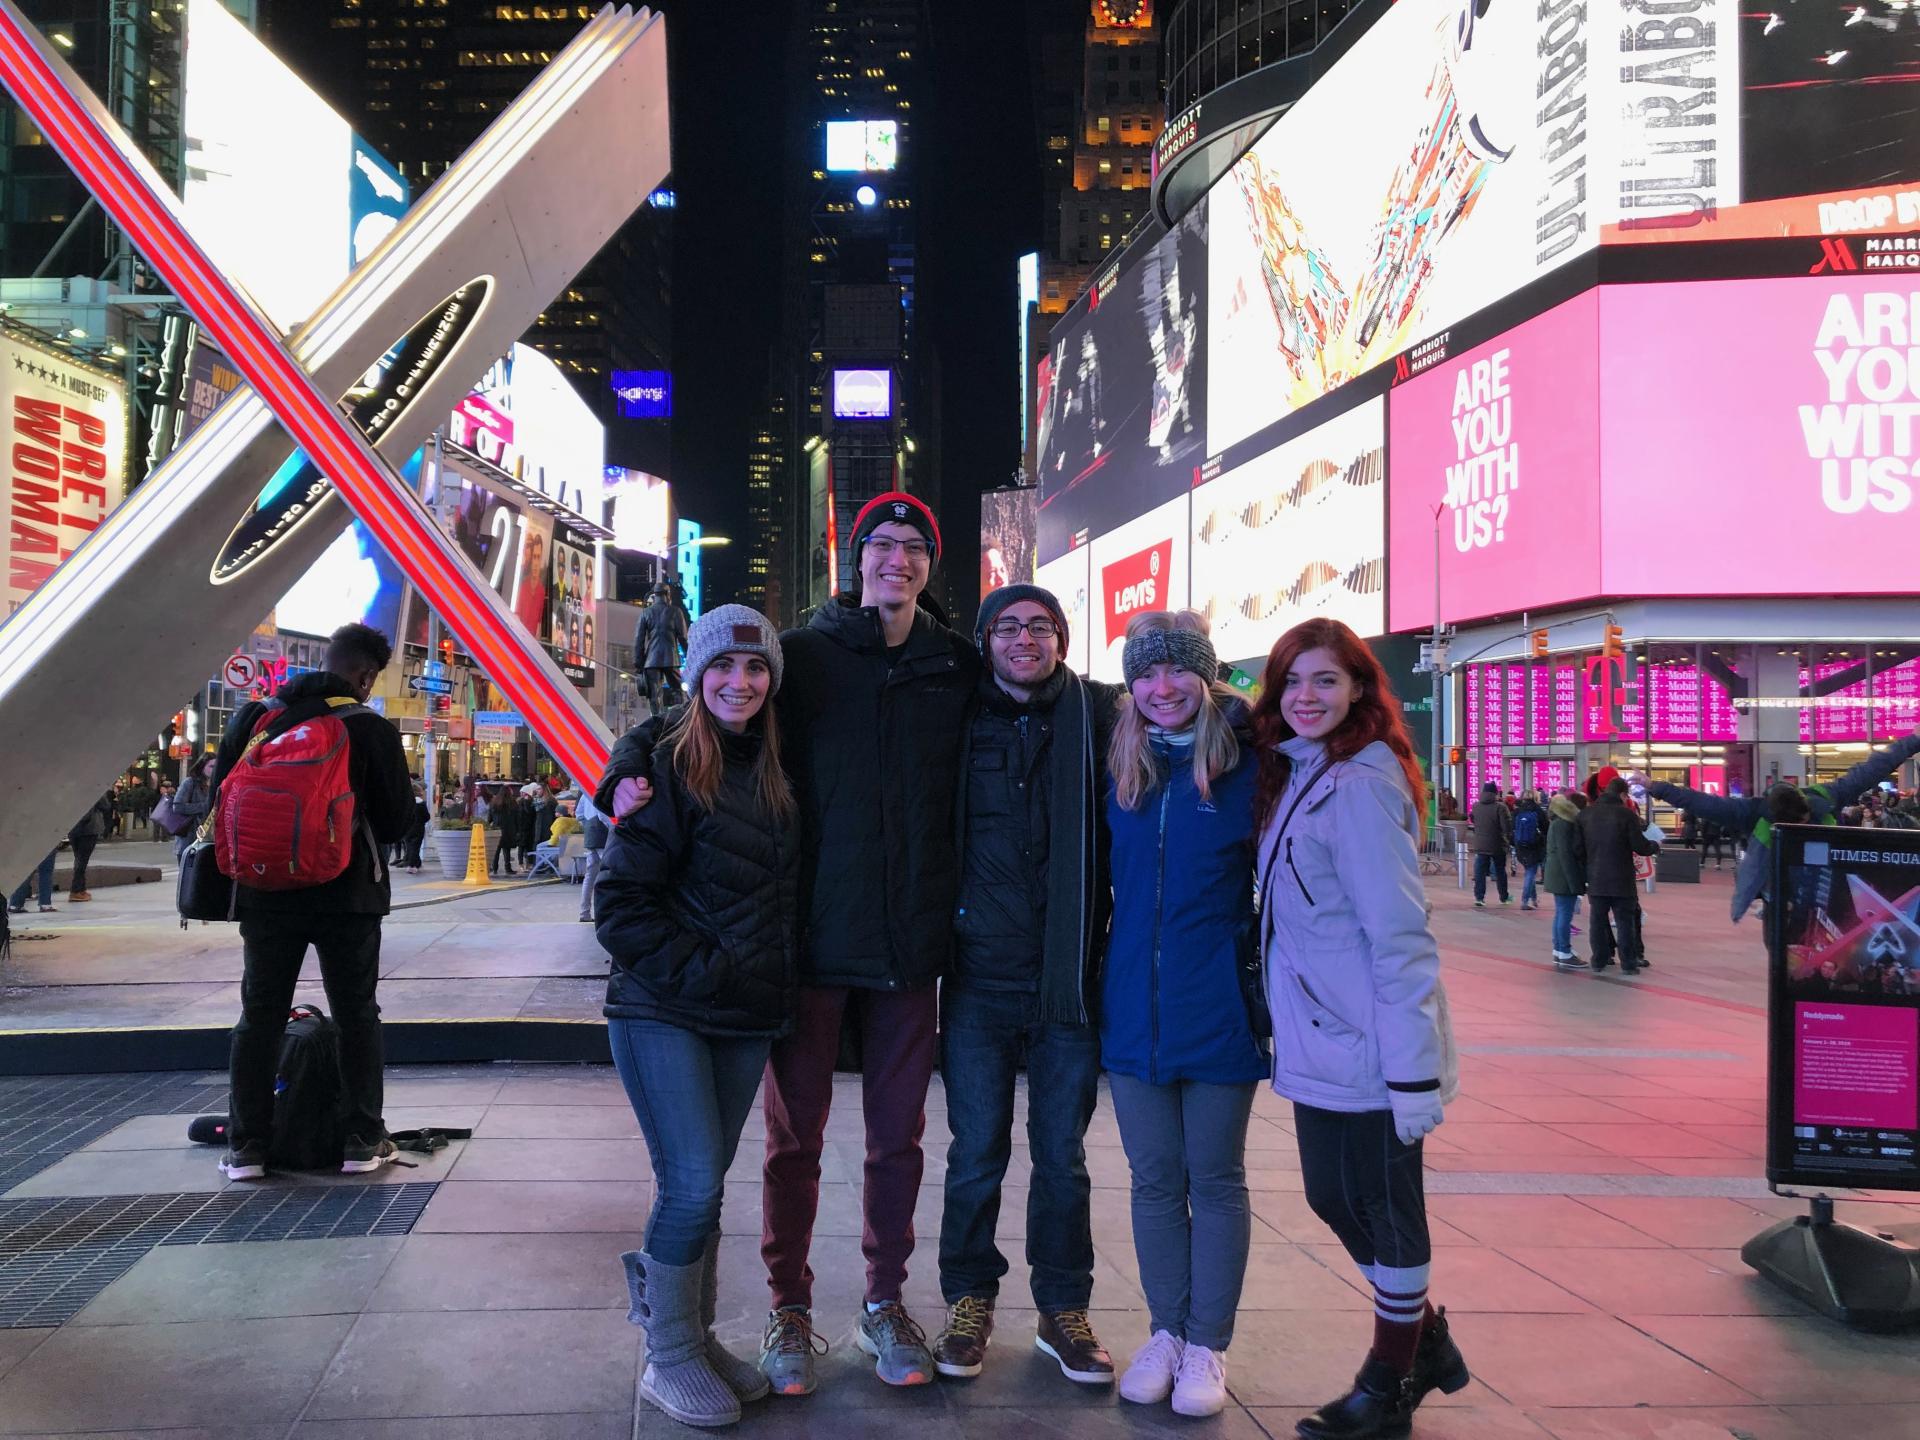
x=1499 y=447
x=1742 y=415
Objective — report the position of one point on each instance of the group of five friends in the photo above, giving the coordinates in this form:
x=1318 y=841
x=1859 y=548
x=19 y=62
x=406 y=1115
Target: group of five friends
x=1150 y=881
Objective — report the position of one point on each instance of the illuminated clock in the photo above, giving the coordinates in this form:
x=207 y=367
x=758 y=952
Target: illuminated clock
x=1123 y=12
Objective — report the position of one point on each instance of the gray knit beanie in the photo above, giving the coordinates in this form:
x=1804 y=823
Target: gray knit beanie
x=1188 y=649
x=728 y=628
x=998 y=600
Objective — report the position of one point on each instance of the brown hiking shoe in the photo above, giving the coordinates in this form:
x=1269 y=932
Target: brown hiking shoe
x=1068 y=1337
x=961 y=1349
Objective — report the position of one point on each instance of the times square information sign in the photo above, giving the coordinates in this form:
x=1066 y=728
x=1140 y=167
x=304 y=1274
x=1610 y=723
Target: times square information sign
x=1843 y=1071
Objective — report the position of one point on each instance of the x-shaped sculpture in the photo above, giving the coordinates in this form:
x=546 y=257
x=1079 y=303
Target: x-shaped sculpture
x=153 y=597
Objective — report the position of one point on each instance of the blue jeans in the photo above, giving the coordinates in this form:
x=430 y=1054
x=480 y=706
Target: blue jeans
x=1529 y=880
x=1485 y=865
x=692 y=1094
x=1187 y=1148
x=1563 y=908
x=43 y=874
x=983 y=1036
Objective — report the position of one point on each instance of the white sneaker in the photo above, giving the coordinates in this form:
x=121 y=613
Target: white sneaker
x=1200 y=1388
x=1149 y=1379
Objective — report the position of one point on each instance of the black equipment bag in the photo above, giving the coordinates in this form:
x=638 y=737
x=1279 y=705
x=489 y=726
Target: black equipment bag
x=309 y=1096
x=204 y=893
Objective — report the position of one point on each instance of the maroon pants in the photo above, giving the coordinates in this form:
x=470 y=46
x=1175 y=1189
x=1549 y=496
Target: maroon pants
x=898 y=1041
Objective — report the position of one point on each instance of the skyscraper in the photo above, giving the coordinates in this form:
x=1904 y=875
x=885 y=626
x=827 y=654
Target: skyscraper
x=849 y=368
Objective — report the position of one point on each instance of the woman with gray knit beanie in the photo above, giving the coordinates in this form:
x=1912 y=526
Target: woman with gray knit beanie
x=1181 y=1025
x=698 y=906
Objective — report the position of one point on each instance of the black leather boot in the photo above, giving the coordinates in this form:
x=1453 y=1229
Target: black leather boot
x=1438 y=1363
x=1378 y=1405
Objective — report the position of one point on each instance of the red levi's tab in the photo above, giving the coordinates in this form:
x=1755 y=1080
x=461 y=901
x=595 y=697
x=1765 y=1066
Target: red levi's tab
x=1135 y=583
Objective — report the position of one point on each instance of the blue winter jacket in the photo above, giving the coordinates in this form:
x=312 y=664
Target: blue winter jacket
x=1172 y=1003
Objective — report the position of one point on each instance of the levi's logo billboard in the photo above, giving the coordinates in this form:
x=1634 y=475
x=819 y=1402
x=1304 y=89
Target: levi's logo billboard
x=1135 y=583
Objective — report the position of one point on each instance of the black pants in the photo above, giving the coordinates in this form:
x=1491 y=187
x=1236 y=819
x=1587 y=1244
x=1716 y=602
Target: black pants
x=82 y=853
x=503 y=852
x=276 y=945
x=1365 y=1185
x=410 y=849
x=1625 y=929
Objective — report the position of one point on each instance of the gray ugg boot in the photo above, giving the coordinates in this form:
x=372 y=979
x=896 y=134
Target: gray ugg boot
x=744 y=1377
x=678 y=1379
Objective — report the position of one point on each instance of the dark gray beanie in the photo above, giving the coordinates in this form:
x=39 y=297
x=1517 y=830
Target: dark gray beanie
x=1188 y=649
x=727 y=628
x=999 y=600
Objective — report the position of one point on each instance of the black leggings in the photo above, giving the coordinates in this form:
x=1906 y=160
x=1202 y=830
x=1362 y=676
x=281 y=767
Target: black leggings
x=1366 y=1185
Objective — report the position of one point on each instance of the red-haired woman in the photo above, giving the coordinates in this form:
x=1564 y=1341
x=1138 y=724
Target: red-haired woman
x=1361 y=1041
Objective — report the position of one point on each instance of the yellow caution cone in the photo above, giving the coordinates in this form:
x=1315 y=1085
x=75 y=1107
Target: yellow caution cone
x=477 y=858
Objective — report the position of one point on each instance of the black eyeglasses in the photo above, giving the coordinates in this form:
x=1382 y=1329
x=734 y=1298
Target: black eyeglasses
x=883 y=547
x=1040 y=629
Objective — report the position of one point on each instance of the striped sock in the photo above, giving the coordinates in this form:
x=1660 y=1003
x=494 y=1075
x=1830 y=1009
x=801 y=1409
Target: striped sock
x=1399 y=1312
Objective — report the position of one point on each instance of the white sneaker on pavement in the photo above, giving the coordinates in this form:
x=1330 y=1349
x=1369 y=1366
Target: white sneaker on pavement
x=1200 y=1387
x=1149 y=1379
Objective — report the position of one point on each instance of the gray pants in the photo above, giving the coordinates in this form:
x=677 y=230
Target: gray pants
x=1186 y=1145
x=587 y=883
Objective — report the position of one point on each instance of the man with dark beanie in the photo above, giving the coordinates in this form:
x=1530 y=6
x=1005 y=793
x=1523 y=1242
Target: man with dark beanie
x=872 y=709
x=1028 y=926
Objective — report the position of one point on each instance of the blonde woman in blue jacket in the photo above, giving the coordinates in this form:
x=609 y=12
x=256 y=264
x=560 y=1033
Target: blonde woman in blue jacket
x=1360 y=1034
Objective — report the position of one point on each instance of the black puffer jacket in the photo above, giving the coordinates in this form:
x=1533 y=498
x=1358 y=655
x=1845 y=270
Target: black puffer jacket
x=874 y=749
x=699 y=909
x=1605 y=839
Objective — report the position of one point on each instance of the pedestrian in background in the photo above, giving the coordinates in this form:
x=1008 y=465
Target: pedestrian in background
x=1606 y=838
x=192 y=801
x=43 y=876
x=1363 y=1046
x=87 y=832
x=1492 y=833
x=594 y=834
x=699 y=909
x=1181 y=1026
x=1530 y=846
x=1566 y=878
x=506 y=814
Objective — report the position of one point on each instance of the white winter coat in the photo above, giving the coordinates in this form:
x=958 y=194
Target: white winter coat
x=1352 y=971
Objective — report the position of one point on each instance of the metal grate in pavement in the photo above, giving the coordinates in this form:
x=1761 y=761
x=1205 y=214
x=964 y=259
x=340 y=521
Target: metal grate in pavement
x=57 y=1254
x=45 y=1118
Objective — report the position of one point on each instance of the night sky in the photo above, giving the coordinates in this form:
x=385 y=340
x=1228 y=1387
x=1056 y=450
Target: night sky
x=979 y=167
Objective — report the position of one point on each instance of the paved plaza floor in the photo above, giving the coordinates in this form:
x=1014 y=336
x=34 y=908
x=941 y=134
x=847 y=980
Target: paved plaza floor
x=1590 y=1191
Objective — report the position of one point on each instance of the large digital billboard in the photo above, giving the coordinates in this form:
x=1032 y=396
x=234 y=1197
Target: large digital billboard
x=1007 y=522
x=859 y=146
x=1123 y=391
x=1297 y=532
x=1069 y=577
x=1427 y=175
x=354 y=582
x=1495 y=473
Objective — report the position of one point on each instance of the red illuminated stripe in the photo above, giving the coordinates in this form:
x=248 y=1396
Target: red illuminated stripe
x=133 y=199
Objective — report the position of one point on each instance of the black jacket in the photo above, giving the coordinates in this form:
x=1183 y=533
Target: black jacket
x=1605 y=839
x=700 y=909
x=873 y=746
x=1034 y=889
x=1535 y=853
x=382 y=797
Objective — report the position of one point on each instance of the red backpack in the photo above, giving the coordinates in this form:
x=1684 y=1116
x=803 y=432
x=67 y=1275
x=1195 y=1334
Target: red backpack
x=284 y=817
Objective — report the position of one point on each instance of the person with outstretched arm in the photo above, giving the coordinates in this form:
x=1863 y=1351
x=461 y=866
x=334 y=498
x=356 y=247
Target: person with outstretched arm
x=1751 y=818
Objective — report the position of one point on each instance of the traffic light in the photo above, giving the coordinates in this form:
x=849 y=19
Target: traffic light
x=1539 y=644
x=1456 y=755
x=1611 y=645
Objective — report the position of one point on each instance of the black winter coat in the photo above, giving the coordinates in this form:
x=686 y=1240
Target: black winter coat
x=1605 y=839
x=700 y=909
x=382 y=797
x=1000 y=921
x=874 y=747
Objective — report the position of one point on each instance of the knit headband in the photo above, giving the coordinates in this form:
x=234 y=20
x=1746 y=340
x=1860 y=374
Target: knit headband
x=1187 y=649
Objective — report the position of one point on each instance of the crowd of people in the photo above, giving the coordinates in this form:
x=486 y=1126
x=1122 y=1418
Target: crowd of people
x=1584 y=843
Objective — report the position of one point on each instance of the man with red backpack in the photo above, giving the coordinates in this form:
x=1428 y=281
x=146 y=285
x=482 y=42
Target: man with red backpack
x=310 y=791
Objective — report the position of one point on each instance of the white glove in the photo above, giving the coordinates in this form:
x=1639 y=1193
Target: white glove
x=1415 y=1113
